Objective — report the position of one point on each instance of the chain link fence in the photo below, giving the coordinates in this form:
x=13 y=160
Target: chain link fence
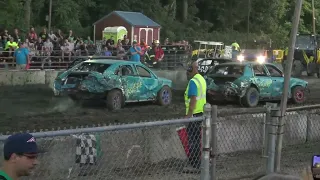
x=149 y=150
x=220 y=145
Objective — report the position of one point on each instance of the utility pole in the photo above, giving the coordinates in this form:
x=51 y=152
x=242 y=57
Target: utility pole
x=313 y=19
x=287 y=75
x=248 y=22
x=50 y=13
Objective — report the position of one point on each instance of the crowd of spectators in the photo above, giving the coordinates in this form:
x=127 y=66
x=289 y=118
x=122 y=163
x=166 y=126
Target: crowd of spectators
x=44 y=46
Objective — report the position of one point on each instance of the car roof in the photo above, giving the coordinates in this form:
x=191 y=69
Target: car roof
x=243 y=63
x=111 y=61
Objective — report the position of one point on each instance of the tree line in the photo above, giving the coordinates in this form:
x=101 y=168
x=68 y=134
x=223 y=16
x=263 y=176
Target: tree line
x=246 y=21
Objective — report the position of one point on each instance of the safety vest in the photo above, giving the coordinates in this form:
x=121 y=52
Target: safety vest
x=236 y=46
x=13 y=44
x=201 y=96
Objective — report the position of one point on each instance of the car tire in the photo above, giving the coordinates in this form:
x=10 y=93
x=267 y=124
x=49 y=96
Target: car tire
x=164 y=97
x=76 y=100
x=297 y=68
x=251 y=98
x=114 y=100
x=298 y=95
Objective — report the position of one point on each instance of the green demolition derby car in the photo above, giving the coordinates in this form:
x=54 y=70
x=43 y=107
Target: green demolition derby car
x=115 y=81
x=251 y=82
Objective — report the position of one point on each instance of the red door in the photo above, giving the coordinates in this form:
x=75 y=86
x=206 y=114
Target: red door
x=150 y=36
x=142 y=35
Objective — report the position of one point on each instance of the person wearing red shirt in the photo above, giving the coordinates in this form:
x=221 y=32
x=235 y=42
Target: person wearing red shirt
x=159 y=54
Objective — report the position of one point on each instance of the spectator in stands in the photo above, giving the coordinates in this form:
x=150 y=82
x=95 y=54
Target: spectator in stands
x=106 y=51
x=120 y=51
x=126 y=43
x=71 y=36
x=32 y=36
x=166 y=42
x=21 y=57
x=44 y=35
x=48 y=49
x=125 y=40
x=54 y=39
x=16 y=36
x=60 y=37
x=158 y=52
x=135 y=52
x=11 y=46
x=39 y=47
x=110 y=43
x=30 y=46
x=89 y=42
x=1 y=44
x=81 y=48
x=5 y=35
x=66 y=50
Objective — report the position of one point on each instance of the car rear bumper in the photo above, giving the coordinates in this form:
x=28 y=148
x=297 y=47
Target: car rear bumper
x=219 y=96
x=78 y=94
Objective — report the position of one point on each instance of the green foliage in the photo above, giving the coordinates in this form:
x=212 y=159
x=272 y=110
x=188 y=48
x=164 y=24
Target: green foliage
x=215 y=20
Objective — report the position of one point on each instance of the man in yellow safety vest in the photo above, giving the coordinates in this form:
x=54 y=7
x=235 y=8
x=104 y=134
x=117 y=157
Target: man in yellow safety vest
x=195 y=99
x=235 y=49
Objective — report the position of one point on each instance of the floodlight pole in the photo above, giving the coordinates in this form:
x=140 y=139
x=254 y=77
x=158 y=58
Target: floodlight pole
x=287 y=75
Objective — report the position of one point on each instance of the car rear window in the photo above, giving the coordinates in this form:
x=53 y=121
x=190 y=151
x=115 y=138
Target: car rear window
x=90 y=66
x=227 y=70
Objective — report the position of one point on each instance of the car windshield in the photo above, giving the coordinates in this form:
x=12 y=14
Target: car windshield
x=228 y=70
x=305 y=42
x=91 y=66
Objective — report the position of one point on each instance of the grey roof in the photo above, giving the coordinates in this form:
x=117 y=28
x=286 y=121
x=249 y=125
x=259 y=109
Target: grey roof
x=133 y=18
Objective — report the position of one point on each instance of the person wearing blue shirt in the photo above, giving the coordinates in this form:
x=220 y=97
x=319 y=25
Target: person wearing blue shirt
x=21 y=56
x=135 y=51
x=193 y=90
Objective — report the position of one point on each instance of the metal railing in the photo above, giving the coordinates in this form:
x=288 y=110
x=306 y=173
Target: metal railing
x=56 y=60
x=237 y=145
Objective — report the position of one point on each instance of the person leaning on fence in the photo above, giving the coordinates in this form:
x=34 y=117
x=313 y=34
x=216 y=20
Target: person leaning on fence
x=21 y=57
x=195 y=99
x=20 y=156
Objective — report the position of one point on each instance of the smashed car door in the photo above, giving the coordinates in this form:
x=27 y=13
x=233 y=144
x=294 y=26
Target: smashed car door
x=277 y=80
x=150 y=83
x=131 y=83
x=262 y=80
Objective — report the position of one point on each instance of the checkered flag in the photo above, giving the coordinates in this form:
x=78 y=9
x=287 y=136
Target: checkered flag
x=86 y=149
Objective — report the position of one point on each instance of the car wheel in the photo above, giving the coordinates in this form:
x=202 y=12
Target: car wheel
x=251 y=98
x=164 y=97
x=298 y=95
x=76 y=100
x=114 y=100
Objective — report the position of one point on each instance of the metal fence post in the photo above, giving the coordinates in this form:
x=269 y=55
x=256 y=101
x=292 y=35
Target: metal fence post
x=214 y=139
x=206 y=133
x=272 y=131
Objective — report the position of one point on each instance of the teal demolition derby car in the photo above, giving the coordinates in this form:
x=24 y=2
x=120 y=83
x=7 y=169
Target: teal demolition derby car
x=115 y=81
x=251 y=82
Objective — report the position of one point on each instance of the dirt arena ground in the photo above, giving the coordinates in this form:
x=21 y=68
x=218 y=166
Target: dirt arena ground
x=34 y=107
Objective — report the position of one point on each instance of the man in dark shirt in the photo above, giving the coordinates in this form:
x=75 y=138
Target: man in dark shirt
x=110 y=42
x=44 y=35
x=16 y=36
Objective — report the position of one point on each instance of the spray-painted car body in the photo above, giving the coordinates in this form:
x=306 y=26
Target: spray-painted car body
x=96 y=78
x=251 y=82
